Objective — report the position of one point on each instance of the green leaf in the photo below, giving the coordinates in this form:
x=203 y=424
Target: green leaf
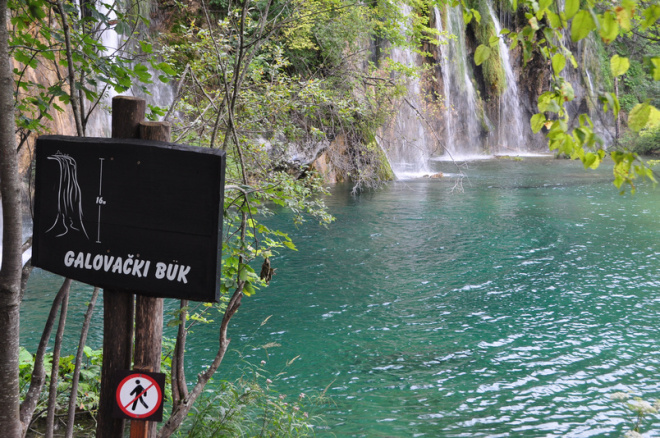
x=656 y=68
x=477 y=15
x=467 y=16
x=625 y=13
x=639 y=117
x=544 y=4
x=558 y=63
x=24 y=356
x=571 y=8
x=567 y=91
x=243 y=274
x=582 y=25
x=146 y=47
x=166 y=68
x=590 y=160
x=548 y=102
x=619 y=65
x=493 y=41
x=481 y=54
x=537 y=122
x=534 y=23
x=609 y=27
x=248 y=289
x=554 y=19
x=651 y=16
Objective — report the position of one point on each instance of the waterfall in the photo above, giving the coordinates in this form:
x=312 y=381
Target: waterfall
x=160 y=94
x=462 y=121
x=406 y=142
x=510 y=137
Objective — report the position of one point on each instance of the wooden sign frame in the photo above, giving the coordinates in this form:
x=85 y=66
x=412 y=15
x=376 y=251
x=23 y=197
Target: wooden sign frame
x=133 y=215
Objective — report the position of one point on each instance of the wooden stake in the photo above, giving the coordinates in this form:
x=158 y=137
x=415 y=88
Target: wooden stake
x=127 y=113
x=148 y=311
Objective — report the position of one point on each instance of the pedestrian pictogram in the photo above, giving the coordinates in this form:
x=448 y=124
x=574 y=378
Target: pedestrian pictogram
x=140 y=395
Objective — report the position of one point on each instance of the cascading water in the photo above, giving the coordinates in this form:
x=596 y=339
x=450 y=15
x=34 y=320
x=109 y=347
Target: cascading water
x=160 y=94
x=462 y=124
x=406 y=145
x=100 y=121
x=510 y=137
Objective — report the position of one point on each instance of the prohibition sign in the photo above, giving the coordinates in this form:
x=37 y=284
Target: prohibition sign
x=139 y=396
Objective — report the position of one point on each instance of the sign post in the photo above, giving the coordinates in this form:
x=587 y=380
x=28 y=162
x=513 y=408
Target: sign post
x=133 y=216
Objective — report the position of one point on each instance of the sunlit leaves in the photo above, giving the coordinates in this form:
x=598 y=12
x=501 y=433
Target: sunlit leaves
x=643 y=115
x=655 y=63
x=481 y=54
x=651 y=16
x=619 y=65
x=549 y=101
x=558 y=63
x=571 y=8
x=610 y=20
x=624 y=14
x=567 y=91
x=537 y=122
x=582 y=25
x=609 y=27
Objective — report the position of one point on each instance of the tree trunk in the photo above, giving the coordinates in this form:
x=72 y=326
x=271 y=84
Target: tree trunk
x=38 y=377
x=55 y=370
x=76 y=373
x=11 y=268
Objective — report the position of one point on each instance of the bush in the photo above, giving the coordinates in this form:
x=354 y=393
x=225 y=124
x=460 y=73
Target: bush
x=647 y=142
x=251 y=406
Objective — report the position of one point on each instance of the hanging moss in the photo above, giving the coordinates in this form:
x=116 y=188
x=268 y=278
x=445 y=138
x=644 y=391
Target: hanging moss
x=492 y=70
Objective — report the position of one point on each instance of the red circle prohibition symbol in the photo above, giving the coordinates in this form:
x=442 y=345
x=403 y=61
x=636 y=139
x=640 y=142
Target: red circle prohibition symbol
x=137 y=399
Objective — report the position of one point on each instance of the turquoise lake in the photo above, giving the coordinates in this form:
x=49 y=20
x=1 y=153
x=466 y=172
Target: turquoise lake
x=512 y=308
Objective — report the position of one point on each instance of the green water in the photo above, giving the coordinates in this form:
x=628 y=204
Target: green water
x=511 y=309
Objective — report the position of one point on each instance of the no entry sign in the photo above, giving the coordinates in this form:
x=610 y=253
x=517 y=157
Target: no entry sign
x=140 y=396
x=134 y=215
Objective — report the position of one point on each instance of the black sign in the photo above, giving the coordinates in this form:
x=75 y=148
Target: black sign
x=134 y=215
x=139 y=395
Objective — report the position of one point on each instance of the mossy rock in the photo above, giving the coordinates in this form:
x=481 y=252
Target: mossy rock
x=383 y=169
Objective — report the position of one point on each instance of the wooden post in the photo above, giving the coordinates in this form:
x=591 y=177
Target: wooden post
x=148 y=311
x=127 y=113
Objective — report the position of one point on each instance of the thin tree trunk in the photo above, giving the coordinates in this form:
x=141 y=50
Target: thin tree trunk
x=11 y=268
x=179 y=388
x=55 y=370
x=76 y=373
x=183 y=408
x=71 y=69
x=38 y=377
